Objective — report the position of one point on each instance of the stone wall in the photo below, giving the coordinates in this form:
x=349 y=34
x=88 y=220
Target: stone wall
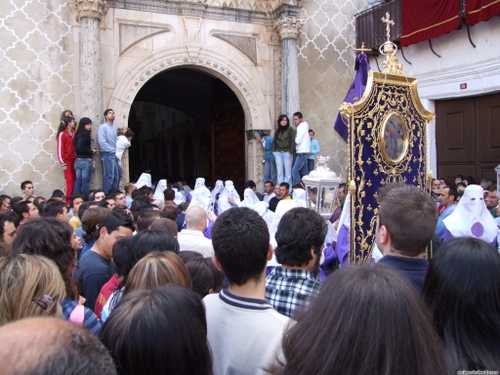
x=36 y=84
x=326 y=70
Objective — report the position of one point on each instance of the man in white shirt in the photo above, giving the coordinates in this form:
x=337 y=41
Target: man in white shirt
x=302 y=148
x=269 y=191
x=244 y=331
x=192 y=238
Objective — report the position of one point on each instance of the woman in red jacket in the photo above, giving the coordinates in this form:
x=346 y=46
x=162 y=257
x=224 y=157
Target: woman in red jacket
x=66 y=153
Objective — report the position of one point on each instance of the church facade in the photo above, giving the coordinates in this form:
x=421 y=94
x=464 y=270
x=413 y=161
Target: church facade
x=275 y=56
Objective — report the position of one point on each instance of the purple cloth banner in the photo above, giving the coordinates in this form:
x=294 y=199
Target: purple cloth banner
x=355 y=91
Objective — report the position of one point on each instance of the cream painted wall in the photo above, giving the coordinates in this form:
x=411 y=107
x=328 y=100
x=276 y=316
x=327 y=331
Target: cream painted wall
x=326 y=70
x=37 y=73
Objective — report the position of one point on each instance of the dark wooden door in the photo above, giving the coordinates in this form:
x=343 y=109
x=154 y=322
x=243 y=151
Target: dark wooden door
x=228 y=146
x=468 y=137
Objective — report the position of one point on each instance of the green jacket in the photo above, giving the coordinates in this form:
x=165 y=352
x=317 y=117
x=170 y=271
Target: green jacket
x=284 y=141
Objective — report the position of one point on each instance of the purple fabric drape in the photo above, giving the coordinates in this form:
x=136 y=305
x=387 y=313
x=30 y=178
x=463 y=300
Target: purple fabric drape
x=355 y=91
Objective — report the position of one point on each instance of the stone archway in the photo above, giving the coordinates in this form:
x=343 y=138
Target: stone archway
x=187 y=124
x=255 y=106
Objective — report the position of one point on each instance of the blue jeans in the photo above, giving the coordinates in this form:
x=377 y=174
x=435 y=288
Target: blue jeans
x=310 y=165
x=299 y=167
x=270 y=171
x=110 y=171
x=283 y=160
x=83 y=169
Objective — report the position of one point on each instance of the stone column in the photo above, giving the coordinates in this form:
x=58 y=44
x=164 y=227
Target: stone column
x=89 y=14
x=288 y=29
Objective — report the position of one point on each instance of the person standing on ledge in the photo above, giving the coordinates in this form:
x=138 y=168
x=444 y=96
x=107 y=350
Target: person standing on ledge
x=283 y=150
x=302 y=148
x=315 y=149
x=266 y=143
x=107 y=136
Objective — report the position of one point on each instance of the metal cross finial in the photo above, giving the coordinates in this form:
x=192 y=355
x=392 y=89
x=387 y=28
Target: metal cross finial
x=388 y=22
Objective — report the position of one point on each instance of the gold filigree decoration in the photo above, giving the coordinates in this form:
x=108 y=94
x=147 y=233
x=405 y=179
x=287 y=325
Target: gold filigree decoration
x=346 y=109
x=387 y=96
x=388 y=49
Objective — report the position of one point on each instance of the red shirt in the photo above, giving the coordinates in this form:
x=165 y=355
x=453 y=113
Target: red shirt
x=65 y=147
x=106 y=291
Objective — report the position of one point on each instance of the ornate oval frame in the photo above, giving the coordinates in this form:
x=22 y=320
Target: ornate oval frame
x=394 y=138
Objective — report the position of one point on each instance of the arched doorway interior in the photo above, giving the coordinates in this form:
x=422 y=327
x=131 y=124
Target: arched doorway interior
x=188 y=124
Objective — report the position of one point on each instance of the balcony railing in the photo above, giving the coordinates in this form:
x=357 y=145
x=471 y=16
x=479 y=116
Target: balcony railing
x=371 y=30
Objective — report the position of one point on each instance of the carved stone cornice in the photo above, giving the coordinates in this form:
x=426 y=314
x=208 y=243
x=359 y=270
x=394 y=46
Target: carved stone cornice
x=88 y=8
x=255 y=5
x=288 y=27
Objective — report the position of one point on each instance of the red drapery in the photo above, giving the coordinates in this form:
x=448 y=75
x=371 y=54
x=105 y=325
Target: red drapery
x=481 y=10
x=423 y=20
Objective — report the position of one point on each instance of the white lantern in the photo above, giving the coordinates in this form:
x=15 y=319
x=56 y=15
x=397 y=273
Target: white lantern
x=322 y=186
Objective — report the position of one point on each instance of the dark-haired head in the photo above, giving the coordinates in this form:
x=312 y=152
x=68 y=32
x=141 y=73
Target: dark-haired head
x=366 y=320
x=283 y=127
x=81 y=126
x=84 y=207
x=20 y=208
x=241 y=244
x=51 y=238
x=145 y=220
x=205 y=276
x=462 y=289
x=58 y=193
x=469 y=180
x=4 y=204
x=149 y=240
x=159 y=331
x=121 y=252
x=25 y=183
x=301 y=233
x=129 y=133
x=250 y=184
x=169 y=195
x=54 y=208
x=8 y=232
x=117 y=219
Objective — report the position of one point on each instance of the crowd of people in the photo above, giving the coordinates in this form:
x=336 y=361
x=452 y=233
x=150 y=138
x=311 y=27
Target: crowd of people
x=75 y=152
x=174 y=279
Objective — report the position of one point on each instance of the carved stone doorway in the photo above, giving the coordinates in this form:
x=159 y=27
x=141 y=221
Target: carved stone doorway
x=188 y=124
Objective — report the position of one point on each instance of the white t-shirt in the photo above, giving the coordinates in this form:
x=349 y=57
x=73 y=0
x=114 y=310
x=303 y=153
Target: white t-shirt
x=244 y=334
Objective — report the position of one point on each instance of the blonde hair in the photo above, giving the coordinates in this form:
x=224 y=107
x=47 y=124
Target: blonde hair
x=158 y=269
x=25 y=282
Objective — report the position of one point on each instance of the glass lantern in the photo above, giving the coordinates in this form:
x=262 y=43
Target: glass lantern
x=322 y=186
